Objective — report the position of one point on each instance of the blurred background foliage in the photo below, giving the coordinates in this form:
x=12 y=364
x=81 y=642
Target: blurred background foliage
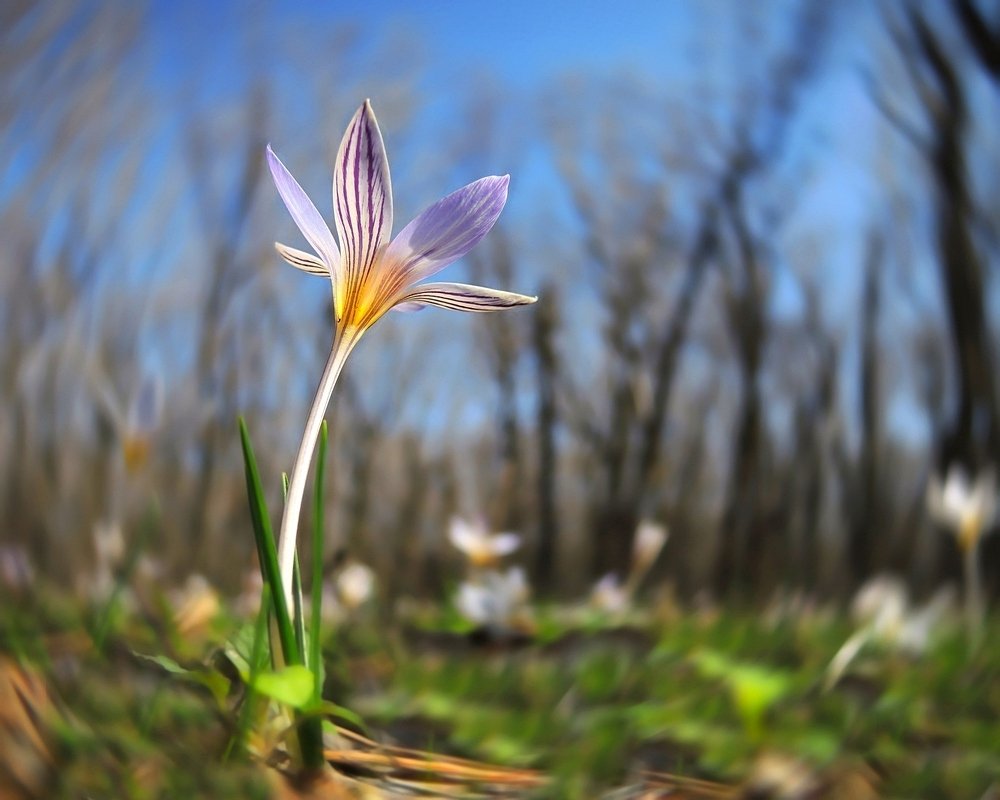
x=765 y=245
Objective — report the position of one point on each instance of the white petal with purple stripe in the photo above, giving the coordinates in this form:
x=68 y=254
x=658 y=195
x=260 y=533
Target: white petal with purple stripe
x=461 y=297
x=303 y=212
x=362 y=196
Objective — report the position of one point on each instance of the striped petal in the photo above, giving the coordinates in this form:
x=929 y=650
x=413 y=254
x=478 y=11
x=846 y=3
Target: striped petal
x=448 y=229
x=461 y=297
x=308 y=219
x=362 y=195
x=299 y=259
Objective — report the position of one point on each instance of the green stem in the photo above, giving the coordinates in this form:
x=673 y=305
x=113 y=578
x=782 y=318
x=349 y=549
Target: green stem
x=973 y=596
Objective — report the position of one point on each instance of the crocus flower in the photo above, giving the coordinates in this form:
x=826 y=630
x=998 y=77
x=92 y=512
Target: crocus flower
x=482 y=548
x=372 y=273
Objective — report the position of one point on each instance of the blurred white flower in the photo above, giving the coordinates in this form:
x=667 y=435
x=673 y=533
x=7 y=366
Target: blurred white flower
x=880 y=603
x=966 y=507
x=482 y=548
x=355 y=585
x=495 y=600
x=612 y=596
x=609 y=596
x=109 y=552
x=649 y=540
x=881 y=608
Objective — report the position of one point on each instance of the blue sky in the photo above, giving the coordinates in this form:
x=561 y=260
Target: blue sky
x=526 y=42
x=676 y=48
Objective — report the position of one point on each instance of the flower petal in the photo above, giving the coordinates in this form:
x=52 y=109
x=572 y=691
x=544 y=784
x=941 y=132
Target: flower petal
x=462 y=297
x=313 y=228
x=362 y=195
x=503 y=544
x=448 y=229
x=302 y=260
x=408 y=308
x=463 y=535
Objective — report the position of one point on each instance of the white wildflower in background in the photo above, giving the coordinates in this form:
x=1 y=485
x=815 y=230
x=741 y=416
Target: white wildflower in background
x=355 y=585
x=882 y=610
x=649 y=540
x=481 y=547
x=966 y=507
x=609 y=596
x=495 y=600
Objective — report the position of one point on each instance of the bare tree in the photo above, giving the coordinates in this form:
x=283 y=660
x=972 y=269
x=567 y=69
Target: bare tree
x=544 y=325
x=941 y=135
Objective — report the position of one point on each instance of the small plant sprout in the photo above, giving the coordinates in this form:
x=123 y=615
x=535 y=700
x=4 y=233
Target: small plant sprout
x=371 y=273
x=482 y=548
x=966 y=508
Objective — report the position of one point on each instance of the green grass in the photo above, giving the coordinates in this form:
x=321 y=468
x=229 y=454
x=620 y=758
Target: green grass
x=587 y=704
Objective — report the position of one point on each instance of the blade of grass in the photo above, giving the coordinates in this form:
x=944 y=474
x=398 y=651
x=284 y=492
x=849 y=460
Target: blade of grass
x=310 y=729
x=300 y=622
x=266 y=549
x=315 y=653
x=135 y=550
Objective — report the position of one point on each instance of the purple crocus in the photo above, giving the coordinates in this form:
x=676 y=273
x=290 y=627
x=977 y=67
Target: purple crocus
x=371 y=273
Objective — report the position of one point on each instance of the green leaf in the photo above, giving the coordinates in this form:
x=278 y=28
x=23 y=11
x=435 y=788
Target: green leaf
x=329 y=709
x=266 y=548
x=314 y=653
x=165 y=662
x=242 y=645
x=292 y=686
x=213 y=680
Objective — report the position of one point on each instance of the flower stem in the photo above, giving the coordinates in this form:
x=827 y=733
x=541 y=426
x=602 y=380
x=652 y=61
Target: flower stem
x=973 y=596
x=342 y=346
